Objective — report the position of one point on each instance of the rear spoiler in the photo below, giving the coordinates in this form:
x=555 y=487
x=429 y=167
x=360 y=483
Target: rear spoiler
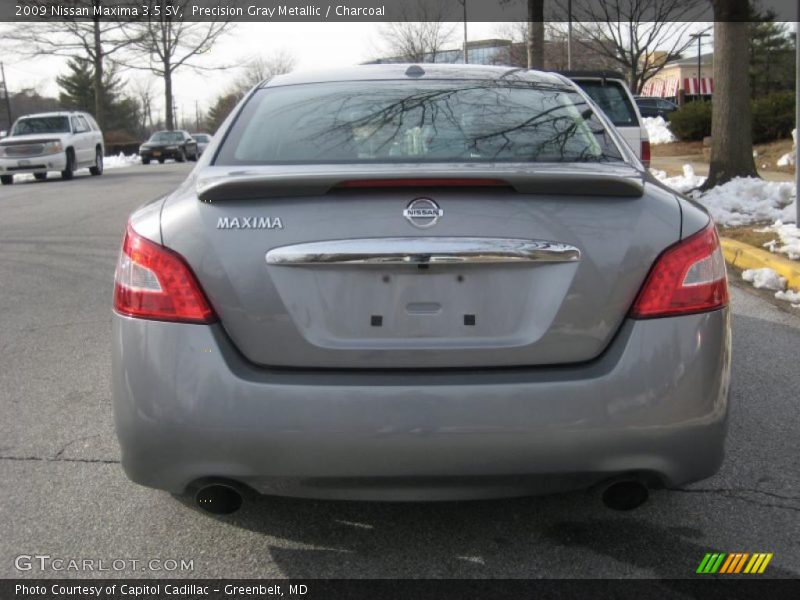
x=568 y=182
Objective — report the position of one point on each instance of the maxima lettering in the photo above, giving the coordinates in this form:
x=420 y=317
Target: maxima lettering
x=249 y=223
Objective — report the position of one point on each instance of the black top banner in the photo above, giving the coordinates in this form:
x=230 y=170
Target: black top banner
x=392 y=10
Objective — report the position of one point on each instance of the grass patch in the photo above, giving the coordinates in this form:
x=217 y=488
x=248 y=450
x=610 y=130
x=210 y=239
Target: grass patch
x=768 y=154
x=678 y=149
x=748 y=235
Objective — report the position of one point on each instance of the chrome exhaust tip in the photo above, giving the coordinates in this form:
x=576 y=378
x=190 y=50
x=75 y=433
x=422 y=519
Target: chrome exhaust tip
x=218 y=499
x=625 y=495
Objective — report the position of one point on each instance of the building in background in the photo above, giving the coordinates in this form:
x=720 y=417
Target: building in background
x=678 y=79
x=515 y=54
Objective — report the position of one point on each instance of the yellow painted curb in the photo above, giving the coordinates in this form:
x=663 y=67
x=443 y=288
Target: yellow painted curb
x=745 y=256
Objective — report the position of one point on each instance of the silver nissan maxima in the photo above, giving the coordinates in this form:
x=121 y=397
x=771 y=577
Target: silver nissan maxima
x=420 y=282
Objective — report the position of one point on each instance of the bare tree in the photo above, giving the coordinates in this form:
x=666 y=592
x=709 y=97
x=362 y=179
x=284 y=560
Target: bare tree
x=421 y=34
x=261 y=68
x=254 y=71
x=95 y=40
x=731 y=119
x=167 y=43
x=628 y=32
x=143 y=92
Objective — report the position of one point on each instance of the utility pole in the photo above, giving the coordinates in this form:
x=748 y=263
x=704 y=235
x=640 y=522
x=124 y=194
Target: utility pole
x=796 y=122
x=699 y=37
x=6 y=94
x=466 y=54
x=569 y=35
x=196 y=116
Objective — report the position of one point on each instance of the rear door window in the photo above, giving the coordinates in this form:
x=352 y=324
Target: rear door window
x=79 y=125
x=613 y=98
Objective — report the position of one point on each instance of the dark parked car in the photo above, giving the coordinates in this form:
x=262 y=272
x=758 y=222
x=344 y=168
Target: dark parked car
x=203 y=140
x=169 y=144
x=655 y=107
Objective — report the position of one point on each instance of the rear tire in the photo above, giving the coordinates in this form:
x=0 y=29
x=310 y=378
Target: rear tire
x=6 y=179
x=40 y=176
x=145 y=161
x=97 y=169
x=161 y=161
x=69 y=171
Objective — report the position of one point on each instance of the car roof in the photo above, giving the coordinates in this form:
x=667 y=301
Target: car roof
x=58 y=113
x=411 y=71
x=613 y=75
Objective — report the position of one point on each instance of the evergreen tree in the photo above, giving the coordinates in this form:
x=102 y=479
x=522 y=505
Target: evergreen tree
x=772 y=55
x=77 y=93
x=221 y=109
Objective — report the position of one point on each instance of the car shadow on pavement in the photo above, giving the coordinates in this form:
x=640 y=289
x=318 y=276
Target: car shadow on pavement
x=565 y=535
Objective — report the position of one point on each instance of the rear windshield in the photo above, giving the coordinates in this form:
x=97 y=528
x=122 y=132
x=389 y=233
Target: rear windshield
x=416 y=121
x=201 y=137
x=167 y=136
x=41 y=125
x=613 y=98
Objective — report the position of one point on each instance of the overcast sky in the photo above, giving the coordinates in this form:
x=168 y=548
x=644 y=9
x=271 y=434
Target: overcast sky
x=314 y=45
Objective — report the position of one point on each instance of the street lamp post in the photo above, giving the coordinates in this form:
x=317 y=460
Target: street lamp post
x=6 y=95
x=466 y=57
x=569 y=35
x=796 y=122
x=699 y=37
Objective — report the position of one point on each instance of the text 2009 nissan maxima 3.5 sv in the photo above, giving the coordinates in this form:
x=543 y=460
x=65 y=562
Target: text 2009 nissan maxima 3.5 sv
x=420 y=282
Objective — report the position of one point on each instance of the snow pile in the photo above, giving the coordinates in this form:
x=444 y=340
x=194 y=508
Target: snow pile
x=789 y=159
x=746 y=200
x=789 y=296
x=767 y=279
x=764 y=279
x=789 y=236
x=658 y=130
x=741 y=201
x=121 y=160
x=682 y=183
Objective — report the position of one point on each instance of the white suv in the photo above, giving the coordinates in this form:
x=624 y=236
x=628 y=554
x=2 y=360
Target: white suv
x=55 y=141
x=609 y=90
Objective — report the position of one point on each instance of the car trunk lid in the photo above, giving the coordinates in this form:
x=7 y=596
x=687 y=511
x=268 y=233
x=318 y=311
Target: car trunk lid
x=353 y=267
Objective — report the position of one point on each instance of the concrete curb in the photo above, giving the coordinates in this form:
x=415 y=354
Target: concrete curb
x=745 y=256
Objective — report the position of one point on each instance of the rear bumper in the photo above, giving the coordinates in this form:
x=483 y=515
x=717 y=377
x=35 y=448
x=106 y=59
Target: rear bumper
x=164 y=154
x=34 y=164
x=187 y=406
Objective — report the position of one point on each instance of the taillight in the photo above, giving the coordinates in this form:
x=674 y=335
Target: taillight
x=646 y=152
x=688 y=277
x=153 y=282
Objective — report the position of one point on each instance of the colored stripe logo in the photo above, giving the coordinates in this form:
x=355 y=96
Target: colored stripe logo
x=734 y=563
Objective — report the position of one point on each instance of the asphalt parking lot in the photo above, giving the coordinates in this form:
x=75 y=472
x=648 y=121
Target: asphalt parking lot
x=63 y=492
